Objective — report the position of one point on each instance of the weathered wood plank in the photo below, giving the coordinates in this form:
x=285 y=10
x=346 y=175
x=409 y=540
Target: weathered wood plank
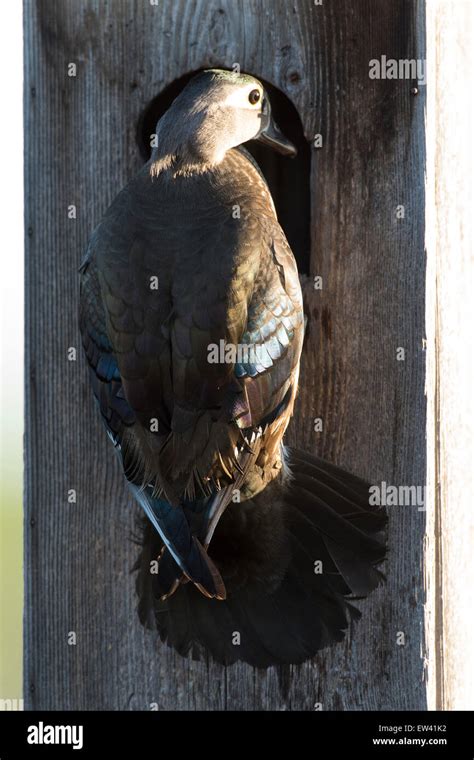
x=81 y=149
x=449 y=318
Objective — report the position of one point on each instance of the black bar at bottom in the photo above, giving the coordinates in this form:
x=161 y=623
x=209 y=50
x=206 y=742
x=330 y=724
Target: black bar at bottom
x=91 y=734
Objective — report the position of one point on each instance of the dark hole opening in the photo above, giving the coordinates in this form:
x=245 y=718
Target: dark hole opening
x=288 y=178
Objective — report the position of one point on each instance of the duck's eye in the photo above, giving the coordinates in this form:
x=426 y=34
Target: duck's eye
x=254 y=96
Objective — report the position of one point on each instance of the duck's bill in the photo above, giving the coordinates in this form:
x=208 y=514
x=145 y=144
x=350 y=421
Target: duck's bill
x=274 y=138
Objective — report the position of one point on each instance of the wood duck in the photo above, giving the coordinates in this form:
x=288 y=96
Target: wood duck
x=192 y=322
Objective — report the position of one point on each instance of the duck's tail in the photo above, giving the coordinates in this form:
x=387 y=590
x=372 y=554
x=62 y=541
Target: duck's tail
x=292 y=559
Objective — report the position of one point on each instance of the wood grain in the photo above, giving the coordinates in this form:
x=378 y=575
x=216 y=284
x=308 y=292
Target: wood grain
x=81 y=149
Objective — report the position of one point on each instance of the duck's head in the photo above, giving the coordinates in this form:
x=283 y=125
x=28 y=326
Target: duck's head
x=217 y=110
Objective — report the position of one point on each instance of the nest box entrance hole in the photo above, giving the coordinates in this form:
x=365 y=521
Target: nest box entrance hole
x=288 y=178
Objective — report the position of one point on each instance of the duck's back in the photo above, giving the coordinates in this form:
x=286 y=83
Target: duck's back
x=182 y=266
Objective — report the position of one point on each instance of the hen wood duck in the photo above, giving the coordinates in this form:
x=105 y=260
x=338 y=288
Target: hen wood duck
x=192 y=323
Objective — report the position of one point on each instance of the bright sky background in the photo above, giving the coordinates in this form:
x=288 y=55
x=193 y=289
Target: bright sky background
x=11 y=349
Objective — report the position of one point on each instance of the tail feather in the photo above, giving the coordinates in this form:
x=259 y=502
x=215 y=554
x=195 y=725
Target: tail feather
x=346 y=493
x=311 y=542
x=356 y=488
x=187 y=552
x=279 y=608
x=325 y=595
x=340 y=528
x=361 y=576
x=168 y=576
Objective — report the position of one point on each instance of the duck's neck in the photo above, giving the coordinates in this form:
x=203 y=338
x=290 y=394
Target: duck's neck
x=180 y=164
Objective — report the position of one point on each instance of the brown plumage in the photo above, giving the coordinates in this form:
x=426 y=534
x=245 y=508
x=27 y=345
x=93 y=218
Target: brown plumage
x=189 y=262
